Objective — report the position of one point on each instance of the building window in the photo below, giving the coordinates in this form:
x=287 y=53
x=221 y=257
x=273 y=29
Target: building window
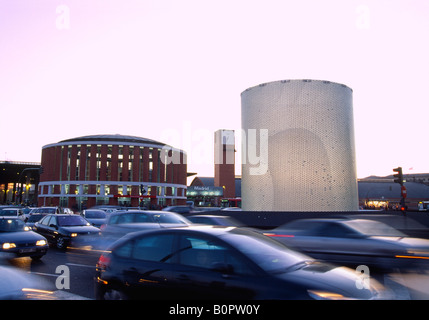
x=120 y=162
x=106 y=189
x=77 y=162
x=69 y=150
x=150 y=169
x=109 y=162
x=130 y=163
x=158 y=171
x=64 y=202
x=141 y=167
x=87 y=161
x=98 y=159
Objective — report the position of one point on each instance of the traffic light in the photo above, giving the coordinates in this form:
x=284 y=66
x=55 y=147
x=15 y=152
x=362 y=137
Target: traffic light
x=398 y=178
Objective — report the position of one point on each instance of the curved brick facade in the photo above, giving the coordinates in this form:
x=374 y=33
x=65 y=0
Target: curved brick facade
x=111 y=169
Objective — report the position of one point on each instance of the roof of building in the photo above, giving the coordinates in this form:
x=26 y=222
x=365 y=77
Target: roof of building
x=115 y=138
x=296 y=81
x=367 y=190
x=378 y=190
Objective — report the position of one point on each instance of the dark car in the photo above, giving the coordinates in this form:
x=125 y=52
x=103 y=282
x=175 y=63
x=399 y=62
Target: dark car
x=353 y=242
x=123 y=222
x=215 y=220
x=63 y=229
x=96 y=217
x=179 y=209
x=31 y=221
x=18 y=241
x=213 y=262
x=21 y=285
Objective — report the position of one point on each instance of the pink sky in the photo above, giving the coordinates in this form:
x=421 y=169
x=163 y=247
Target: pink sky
x=153 y=68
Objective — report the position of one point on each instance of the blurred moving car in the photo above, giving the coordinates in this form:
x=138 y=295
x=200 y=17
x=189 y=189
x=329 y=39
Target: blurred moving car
x=353 y=241
x=17 y=284
x=31 y=221
x=46 y=210
x=123 y=222
x=179 y=209
x=17 y=240
x=213 y=262
x=62 y=229
x=232 y=209
x=12 y=212
x=96 y=217
x=215 y=220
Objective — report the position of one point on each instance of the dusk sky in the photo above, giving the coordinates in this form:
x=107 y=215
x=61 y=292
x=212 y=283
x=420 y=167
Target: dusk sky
x=173 y=71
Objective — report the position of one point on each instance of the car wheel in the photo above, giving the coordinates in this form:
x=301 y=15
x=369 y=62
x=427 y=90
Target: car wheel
x=114 y=294
x=61 y=243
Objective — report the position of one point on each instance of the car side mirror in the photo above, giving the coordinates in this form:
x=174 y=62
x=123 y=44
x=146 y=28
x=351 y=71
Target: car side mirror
x=221 y=267
x=53 y=226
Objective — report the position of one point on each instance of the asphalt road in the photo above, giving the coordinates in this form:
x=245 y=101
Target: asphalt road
x=80 y=265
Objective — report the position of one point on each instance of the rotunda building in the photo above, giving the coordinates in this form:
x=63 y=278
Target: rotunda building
x=112 y=170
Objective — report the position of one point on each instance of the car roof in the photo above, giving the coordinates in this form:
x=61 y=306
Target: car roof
x=213 y=230
x=207 y=216
x=140 y=211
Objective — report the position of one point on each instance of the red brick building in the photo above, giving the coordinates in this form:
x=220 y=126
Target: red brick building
x=112 y=170
x=224 y=166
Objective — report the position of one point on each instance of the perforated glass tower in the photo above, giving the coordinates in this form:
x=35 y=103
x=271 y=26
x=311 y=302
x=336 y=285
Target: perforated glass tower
x=311 y=152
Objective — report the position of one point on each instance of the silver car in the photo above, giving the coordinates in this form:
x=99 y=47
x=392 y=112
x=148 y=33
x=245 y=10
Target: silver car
x=353 y=241
x=123 y=222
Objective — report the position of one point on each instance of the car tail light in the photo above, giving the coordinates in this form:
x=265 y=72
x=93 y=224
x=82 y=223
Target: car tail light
x=279 y=235
x=102 y=227
x=103 y=262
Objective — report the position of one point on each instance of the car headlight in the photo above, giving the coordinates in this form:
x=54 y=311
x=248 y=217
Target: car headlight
x=8 y=245
x=41 y=243
x=73 y=235
x=326 y=295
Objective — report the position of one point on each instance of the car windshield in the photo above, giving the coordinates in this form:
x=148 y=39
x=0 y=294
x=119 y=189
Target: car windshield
x=46 y=210
x=373 y=228
x=268 y=254
x=11 y=225
x=95 y=214
x=6 y=213
x=72 y=221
